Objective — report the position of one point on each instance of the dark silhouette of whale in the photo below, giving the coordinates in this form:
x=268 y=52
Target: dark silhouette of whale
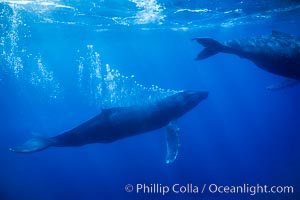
x=278 y=53
x=121 y=122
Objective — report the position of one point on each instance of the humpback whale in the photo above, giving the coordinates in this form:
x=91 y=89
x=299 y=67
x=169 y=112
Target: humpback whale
x=278 y=53
x=121 y=122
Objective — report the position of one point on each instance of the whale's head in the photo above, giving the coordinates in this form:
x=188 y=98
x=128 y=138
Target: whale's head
x=189 y=99
x=182 y=102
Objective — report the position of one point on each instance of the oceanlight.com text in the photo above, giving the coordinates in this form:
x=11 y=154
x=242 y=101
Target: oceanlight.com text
x=250 y=189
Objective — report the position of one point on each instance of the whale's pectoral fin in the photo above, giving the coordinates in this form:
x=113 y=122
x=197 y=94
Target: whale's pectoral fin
x=212 y=47
x=32 y=145
x=172 y=142
x=283 y=84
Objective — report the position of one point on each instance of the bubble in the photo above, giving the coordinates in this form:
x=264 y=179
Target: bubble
x=106 y=87
x=43 y=77
x=27 y=69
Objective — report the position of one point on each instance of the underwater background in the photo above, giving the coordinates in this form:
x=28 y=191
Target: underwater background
x=58 y=55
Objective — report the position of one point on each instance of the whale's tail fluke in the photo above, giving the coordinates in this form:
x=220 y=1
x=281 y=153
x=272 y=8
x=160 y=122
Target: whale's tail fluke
x=212 y=47
x=286 y=83
x=32 y=145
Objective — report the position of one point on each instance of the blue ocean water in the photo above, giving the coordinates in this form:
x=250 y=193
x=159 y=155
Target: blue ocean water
x=56 y=56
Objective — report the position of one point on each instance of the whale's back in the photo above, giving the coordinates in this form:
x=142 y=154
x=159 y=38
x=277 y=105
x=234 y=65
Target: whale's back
x=276 y=44
x=278 y=53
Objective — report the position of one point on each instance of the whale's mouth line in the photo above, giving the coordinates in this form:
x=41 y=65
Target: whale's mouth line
x=199 y=95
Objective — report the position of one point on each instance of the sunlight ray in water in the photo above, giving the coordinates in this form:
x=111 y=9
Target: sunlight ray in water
x=108 y=88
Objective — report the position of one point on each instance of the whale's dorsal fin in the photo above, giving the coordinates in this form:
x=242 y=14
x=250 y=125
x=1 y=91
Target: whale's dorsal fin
x=172 y=142
x=280 y=34
x=108 y=111
x=105 y=111
x=274 y=32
